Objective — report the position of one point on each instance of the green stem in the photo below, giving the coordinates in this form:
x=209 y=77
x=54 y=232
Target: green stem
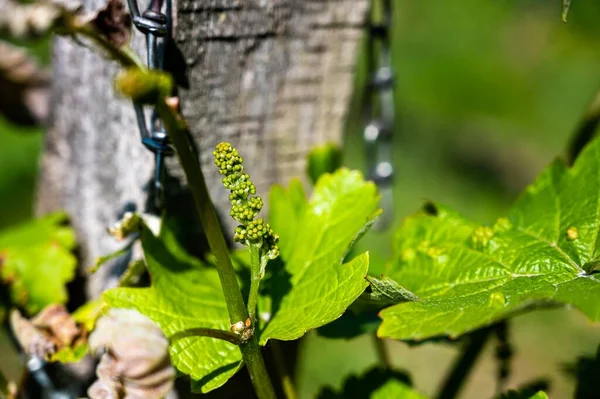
x=463 y=365
x=382 y=353
x=180 y=138
x=254 y=280
x=124 y=56
x=207 y=332
x=257 y=370
x=287 y=385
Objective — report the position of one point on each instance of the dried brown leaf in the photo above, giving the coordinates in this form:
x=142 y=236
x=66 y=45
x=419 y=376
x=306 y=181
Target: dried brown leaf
x=24 y=87
x=49 y=331
x=113 y=22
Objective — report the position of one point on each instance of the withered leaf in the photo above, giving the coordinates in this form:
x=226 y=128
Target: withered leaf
x=135 y=363
x=113 y=22
x=24 y=87
x=48 y=332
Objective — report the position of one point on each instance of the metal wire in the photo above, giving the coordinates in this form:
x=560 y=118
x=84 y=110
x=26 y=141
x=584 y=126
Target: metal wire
x=156 y=25
x=379 y=107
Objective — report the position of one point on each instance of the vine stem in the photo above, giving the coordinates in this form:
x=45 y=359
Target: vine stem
x=255 y=261
x=180 y=138
x=464 y=364
x=208 y=332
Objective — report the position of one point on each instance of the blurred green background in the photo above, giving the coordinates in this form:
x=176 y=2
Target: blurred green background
x=487 y=93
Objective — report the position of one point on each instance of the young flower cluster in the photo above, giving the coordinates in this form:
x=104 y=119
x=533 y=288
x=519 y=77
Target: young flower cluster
x=245 y=205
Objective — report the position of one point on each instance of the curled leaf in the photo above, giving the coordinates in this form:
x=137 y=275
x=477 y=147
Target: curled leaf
x=135 y=363
x=129 y=224
x=24 y=87
x=47 y=333
x=113 y=22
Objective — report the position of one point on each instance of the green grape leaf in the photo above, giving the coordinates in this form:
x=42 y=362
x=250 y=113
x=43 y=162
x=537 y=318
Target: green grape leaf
x=376 y=383
x=286 y=210
x=184 y=294
x=467 y=276
x=321 y=287
x=36 y=261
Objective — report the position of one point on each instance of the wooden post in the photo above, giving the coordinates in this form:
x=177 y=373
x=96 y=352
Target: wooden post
x=273 y=77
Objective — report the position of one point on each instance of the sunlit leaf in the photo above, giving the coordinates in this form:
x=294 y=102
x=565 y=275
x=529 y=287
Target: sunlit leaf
x=36 y=261
x=184 y=294
x=319 y=286
x=466 y=275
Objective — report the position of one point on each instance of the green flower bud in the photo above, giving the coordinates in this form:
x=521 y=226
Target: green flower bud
x=245 y=206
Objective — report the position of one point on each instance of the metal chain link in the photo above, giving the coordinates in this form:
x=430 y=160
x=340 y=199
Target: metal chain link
x=157 y=27
x=379 y=107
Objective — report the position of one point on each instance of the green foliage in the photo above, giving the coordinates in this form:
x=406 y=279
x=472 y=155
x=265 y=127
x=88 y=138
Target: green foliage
x=36 y=261
x=185 y=294
x=469 y=275
x=321 y=286
x=324 y=159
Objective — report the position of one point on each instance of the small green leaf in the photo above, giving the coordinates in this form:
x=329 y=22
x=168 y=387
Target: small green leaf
x=468 y=276
x=287 y=207
x=36 y=261
x=321 y=286
x=324 y=159
x=386 y=292
x=184 y=294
